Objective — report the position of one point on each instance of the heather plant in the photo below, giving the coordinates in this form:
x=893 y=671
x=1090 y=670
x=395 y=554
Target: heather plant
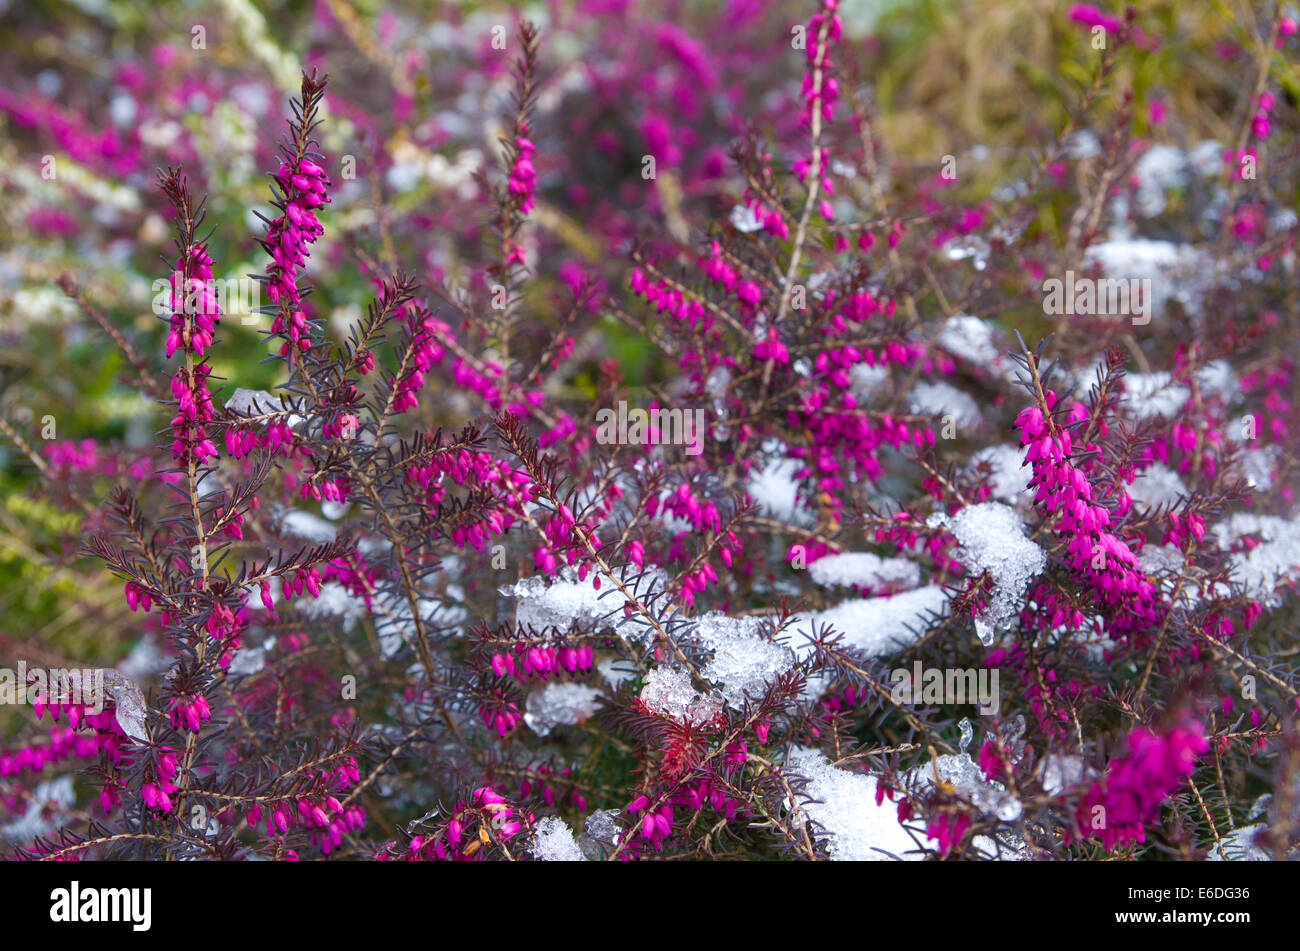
x=945 y=515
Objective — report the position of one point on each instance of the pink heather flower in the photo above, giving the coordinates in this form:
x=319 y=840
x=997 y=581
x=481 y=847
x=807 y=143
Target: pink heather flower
x=190 y=712
x=194 y=316
x=66 y=456
x=1138 y=782
x=303 y=186
x=155 y=798
x=947 y=830
x=523 y=177
x=1067 y=496
x=1090 y=16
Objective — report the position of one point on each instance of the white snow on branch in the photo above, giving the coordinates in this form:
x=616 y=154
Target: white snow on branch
x=867 y=380
x=308 y=527
x=559 y=704
x=866 y=570
x=1175 y=270
x=1240 y=845
x=1257 y=465
x=991 y=537
x=743 y=662
x=615 y=672
x=1155 y=394
x=971 y=338
x=553 y=841
x=875 y=626
x=567 y=600
x=1157 y=485
x=943 y=399
x=856 y=828
x=1008 y=476
x=48 y=802
x=334 y=601
x=1275 y=561
x=242 y=402
x=668 y=692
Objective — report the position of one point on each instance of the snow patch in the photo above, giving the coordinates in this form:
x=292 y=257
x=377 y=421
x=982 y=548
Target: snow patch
x=743 y=662
x=775 y=491
x=875 y=626
x=1156 y=486
x=559 y=704
x=668 y=692
x=991 y=537
x=856 y=828
x=1155 y=394
x=943 y=399
x=865 y=570
x=553 y=841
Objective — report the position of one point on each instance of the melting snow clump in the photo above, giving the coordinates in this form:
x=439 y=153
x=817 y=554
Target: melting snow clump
x=866 y=570
x=876 y=626
x=991 y=538
x=743 y=660
x=857 y=830
x=554 y=842
x=1009 y=476
x=568 y=600
x=602 y=826
x=559 y=704
x=668 y=692
x=942 y=399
